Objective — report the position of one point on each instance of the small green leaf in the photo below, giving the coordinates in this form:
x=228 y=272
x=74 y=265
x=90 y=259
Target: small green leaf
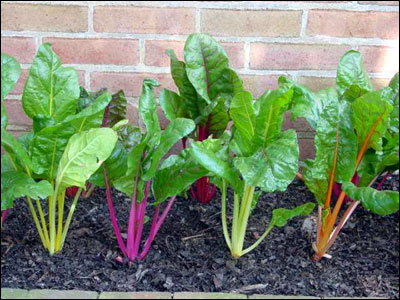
x=10 y=71
x=281 y=216
x=173 y=105
x=380 y=202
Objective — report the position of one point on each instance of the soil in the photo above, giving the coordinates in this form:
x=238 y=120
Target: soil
x=190 y=254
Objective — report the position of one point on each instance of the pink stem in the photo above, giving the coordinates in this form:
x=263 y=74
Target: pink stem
x=140 y=220
x=157 y=228
x=4 y=215
x=113 y=216
x=132 y=224
x=213 y=190
x=152 y=233
x=380 y=185
x=184 y=140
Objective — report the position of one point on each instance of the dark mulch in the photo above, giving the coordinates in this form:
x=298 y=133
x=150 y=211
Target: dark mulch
x=190 y=253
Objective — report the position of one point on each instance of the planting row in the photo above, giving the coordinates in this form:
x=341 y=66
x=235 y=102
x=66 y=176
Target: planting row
x=81 y=141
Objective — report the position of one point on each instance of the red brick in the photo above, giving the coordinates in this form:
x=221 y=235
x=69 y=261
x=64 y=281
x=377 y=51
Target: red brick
x=21 y=48
x=155 y=53
x=96 y=51
x=131 y=83
x=16 y=113
x=19 y=87
x=380 y=59
x=316 y=84
x=307 y=150
x=258 y=84
x=144 y=20
x=379 y=83
x=300 y=125
x=268 y=23
x=353 y=24
x=68 y=18
x=295 y=56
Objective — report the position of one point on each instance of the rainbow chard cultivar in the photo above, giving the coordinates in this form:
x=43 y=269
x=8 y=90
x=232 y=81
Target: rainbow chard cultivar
x=206 y=86
x=64 y=149
x=356 y=141
x=134 y=169
x=265 y=157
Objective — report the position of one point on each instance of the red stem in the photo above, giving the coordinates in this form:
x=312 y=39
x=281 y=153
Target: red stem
x=140 y=220
x=4 y=216
x=380 y=185
x=113 y=216
x=152 y=233
x=132 y=224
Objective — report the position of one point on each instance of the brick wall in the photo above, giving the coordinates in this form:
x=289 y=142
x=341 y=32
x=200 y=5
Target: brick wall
x=117 y=44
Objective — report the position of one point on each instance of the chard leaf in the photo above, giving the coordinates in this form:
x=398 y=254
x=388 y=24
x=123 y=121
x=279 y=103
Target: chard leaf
x=281 y=216
x=176 y=130
x=371 y=118
x=86 y=98
x=205 y=61
x=268 y=124
x=351 y=72
x=218 y=119
x=84 y=154
x=17 y=184
x=118 y=108
x=148 y=112
x=50 y=89
x=175 y=175
x=243 y=115
x=130 y=136
x=10 y=71
x=173 y=105
x=7 y=165
x=394 y=84
x=274 y=167
x=379 y=202
x=185 y=87
x=208 y=158
x=4 y=117
x=16 y=151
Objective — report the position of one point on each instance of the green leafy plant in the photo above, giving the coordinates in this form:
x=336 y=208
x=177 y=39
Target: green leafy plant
x=206 y=86
x=356 y=141
x=135 y=168
x=65 y=147
x=264 y=157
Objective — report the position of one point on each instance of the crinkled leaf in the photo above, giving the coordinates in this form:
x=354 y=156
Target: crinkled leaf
x=50 y=89
x=118 y=107
x=281 y=216
x=218 y=120
x=10 y=71
x=379 y=202
x=205 y=61
x=130 y=136
x=148 y=112
x=350 y=72
x=17 y=184
x=176 y=130
x=268 y=124
x=86 y=98
x=371 y=118
x=173 y=105
x=84 y=154
x=274 y=167
x=209 y=159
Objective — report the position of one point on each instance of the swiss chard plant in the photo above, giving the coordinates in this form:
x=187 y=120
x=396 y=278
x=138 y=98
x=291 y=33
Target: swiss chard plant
x=135 y=168
x=206 y=86
x=263 y=157
x=356 y=142
x=65 y=147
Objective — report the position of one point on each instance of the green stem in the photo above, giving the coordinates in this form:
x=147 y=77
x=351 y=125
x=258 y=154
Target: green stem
x=69 y=218
x=61 y=201
x=251 y=248
x=44 y=224
x=235 y=226
x=52 y=217
x=36 y=221
x=223 y=216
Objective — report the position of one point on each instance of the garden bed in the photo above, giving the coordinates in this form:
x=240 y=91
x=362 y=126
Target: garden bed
x=190 y=253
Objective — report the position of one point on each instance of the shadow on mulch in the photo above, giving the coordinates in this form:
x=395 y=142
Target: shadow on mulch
x=189 y=253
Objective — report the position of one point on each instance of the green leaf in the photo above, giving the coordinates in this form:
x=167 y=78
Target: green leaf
x=148 y=112
x=50 y=89
x=243 y=115
x=176 y=130
x=379 y=202
x=371 y=118
x=210 y=160
x=394 y=84
x=7 y=165
x=130 y=136
x=351 y=72
x=86 y=98
x=4 y=117
x=205 y=61
x=281 y=216
x=17 y=184
x=92 y=116
x=269 y=120
x=185 y=87
x=218 y=119
x=118 y=107
x=273 y=168
x=16 y=151
x=173 y=105
x=84 y=154
x=183 y=171
x=10 y=71
x=334 y=137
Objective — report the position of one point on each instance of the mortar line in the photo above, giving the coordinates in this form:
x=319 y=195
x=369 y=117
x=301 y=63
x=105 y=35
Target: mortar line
x=304 y=21
x=247 y=55
x=90 y=18
x=142 y=52
x=198 y=20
